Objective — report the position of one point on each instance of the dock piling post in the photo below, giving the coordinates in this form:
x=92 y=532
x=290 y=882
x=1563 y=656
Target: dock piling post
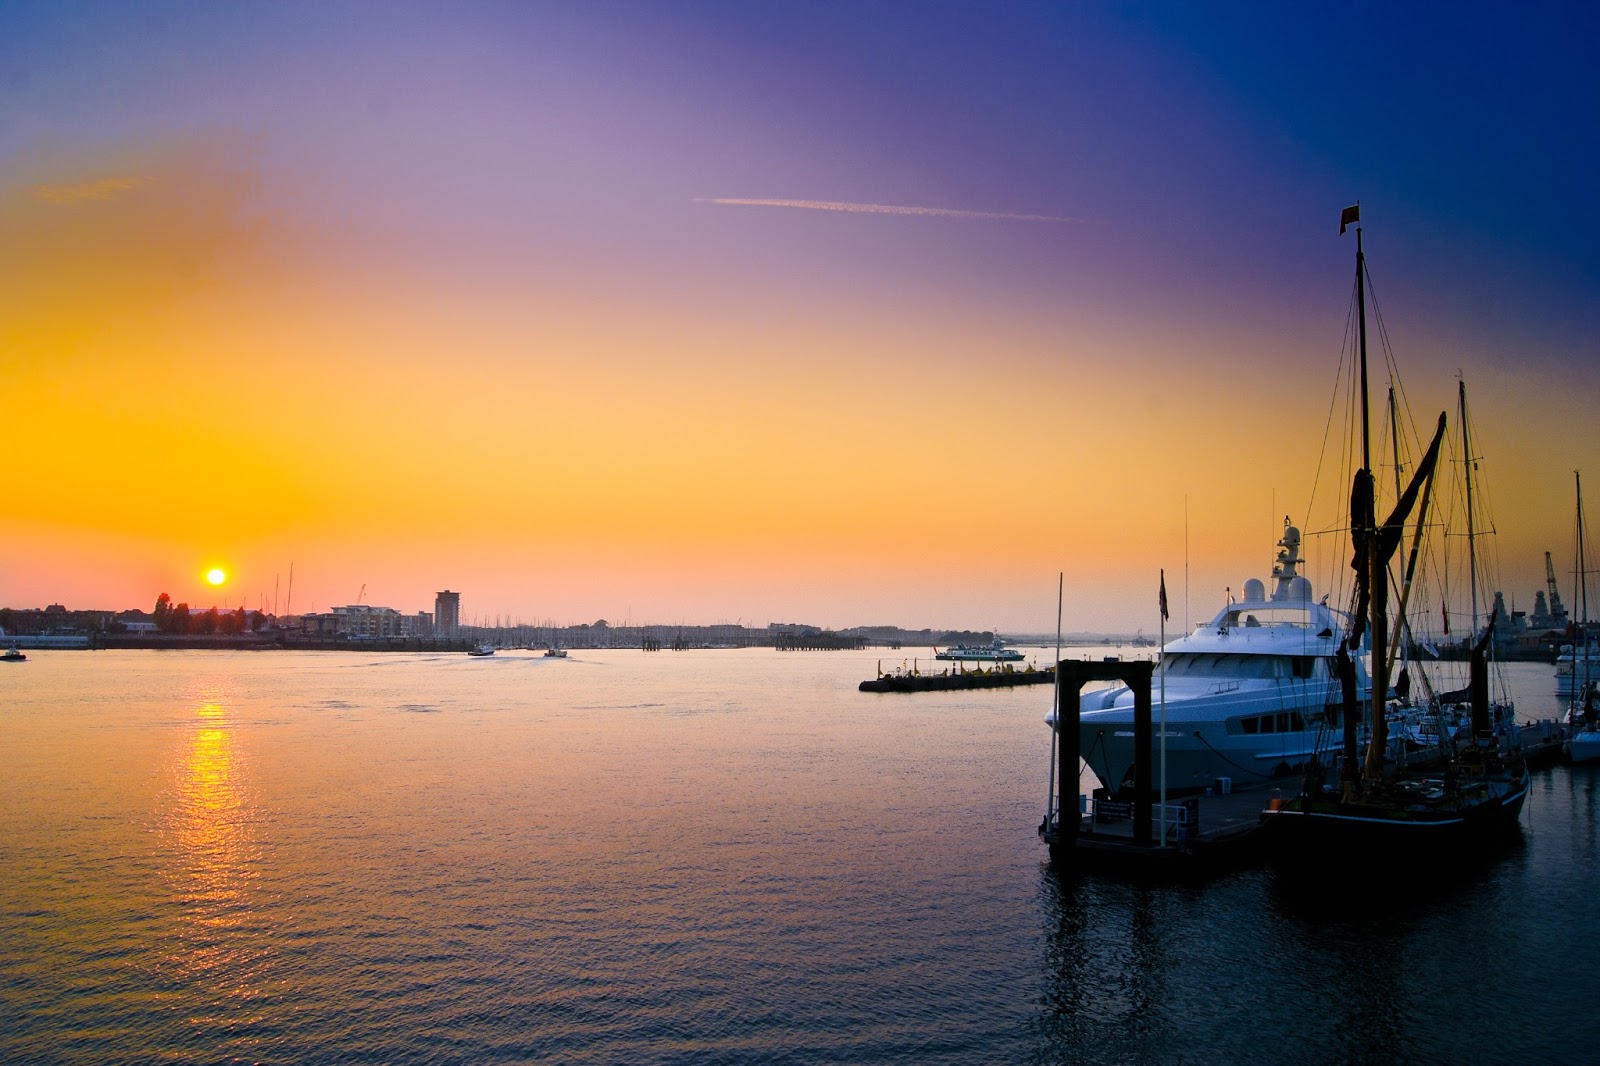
x=1068 y=755
x=1142 y=730
x=1071 y=675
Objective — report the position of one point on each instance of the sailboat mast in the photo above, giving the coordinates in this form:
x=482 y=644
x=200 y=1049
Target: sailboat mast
x=1050 y=813
x=1394 y=439
x=1583 y=573
x=1582 y=604
x=1377 y=571
x=1361 y=325
x=1472 y=553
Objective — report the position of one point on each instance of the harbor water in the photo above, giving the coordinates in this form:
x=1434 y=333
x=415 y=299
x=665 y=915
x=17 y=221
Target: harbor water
x=713 y=856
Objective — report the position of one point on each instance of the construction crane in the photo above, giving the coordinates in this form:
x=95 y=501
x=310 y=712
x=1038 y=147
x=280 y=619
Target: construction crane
x=363 y=593
x=1557 y=612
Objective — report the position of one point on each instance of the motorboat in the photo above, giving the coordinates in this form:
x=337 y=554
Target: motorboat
x=481 y=650
x=12 y=655
x=1249 y=695
x=1576 y=668
x=1584 y=745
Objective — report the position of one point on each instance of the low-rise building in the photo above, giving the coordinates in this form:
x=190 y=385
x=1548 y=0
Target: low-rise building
x=364 y=622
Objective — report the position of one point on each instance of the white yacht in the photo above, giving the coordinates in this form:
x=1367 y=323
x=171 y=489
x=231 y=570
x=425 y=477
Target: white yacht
x=1249 y=695
x=1575 y=669
x=1584 y=718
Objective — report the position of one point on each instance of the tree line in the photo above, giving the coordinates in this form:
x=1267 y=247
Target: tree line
x=178 y=619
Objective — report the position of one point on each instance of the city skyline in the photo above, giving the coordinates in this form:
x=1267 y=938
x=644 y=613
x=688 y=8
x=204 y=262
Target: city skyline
x=862 y=316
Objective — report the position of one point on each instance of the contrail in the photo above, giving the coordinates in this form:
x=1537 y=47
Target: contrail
x=884 y=209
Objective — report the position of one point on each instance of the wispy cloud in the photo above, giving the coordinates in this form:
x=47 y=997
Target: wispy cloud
x=885 y=209
x=101 y=189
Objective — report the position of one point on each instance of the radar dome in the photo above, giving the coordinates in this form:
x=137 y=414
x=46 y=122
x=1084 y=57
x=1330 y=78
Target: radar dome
x=1300 y=589
x=1254 y=591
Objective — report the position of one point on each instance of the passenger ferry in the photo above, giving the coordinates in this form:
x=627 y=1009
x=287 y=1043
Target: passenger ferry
x=996 y=652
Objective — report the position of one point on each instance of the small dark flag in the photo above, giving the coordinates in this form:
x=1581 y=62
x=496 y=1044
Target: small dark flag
x=1163 y=597
x=1446 y=619
x=1349 y=215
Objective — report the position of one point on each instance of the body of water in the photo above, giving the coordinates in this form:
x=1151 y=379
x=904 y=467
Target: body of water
x=707 y=856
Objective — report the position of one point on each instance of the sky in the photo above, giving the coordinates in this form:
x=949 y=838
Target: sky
x=837 y=313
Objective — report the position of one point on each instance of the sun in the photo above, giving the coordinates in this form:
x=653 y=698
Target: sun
x=215 y=576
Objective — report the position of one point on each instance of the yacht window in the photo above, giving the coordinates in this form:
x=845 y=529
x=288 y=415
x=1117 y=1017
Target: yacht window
x=1250 y=725
x=1252 y=665
x=1303 y=666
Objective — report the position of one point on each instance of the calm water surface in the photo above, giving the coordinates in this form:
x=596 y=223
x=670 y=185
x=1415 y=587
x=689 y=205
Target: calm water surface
x=711 y=856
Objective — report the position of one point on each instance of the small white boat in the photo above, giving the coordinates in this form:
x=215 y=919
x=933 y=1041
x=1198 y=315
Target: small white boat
x=553 y=652
x=482 y=650
x=1576 y=668
x=12 y=655
x=1420 y=727
x=1584 y=718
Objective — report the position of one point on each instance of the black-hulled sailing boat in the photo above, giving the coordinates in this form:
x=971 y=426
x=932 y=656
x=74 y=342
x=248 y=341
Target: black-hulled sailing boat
x=1476 y=795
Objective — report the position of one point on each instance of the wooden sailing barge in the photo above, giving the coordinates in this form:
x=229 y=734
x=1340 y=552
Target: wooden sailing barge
x=1473 y=800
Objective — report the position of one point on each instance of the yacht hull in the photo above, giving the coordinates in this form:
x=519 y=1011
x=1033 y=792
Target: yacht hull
x=1202 y=742
x=1585 y=746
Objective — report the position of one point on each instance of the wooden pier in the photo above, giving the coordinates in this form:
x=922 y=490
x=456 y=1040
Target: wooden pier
x=961 y=679
x=1204 y=833
x=1192 y=834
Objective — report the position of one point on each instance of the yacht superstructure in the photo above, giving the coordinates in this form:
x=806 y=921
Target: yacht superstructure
x=1250 y=695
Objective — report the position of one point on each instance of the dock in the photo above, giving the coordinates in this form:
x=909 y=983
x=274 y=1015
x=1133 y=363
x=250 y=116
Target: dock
x=1204 y=833
x=960 y=679
x=1131 y=831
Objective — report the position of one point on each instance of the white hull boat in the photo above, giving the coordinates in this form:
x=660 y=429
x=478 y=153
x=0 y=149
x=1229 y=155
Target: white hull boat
x=1249 y=696
x=1574 y=669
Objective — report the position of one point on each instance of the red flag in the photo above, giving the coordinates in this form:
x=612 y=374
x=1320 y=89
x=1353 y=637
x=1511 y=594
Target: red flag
x=1162 y=599
x=1349 y=215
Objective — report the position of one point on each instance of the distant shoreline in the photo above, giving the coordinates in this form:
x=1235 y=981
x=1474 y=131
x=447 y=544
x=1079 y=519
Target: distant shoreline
x=284 y=642
x=238 y=642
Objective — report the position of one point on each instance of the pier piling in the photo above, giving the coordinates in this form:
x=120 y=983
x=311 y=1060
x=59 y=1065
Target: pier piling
x=1074 y=675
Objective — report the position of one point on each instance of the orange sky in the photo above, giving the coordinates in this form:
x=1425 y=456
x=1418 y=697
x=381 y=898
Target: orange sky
x=589 y=396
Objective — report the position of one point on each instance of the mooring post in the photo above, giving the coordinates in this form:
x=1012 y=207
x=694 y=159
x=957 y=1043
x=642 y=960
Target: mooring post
x=1142 y=735
x=1067 y=754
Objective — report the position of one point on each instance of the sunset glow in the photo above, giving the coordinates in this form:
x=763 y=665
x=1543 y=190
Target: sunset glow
x=792 y=313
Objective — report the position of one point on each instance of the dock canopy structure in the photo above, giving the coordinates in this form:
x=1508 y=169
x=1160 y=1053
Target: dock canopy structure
x=1073 y=675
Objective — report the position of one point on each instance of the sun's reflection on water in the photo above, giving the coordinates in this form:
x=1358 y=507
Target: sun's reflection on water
x=210 y=825
x=212 y=858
